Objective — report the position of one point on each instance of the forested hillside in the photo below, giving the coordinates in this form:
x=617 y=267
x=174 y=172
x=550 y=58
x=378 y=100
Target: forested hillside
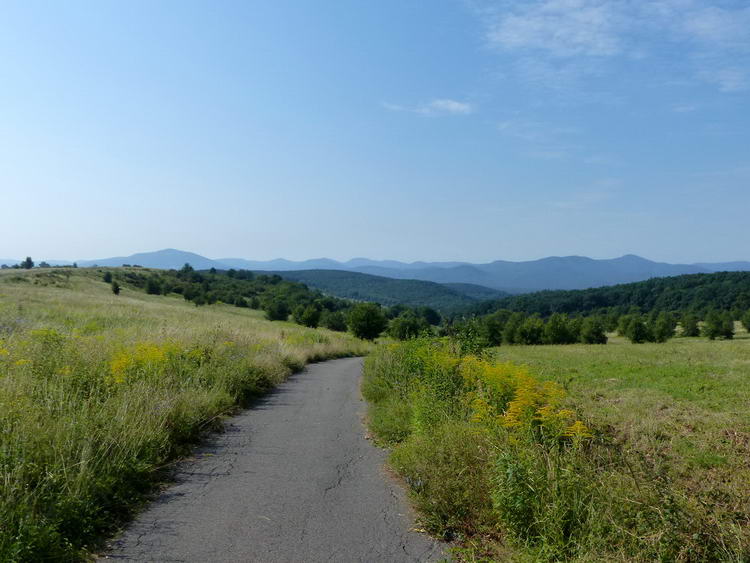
x=386 y=291
x=699 y=293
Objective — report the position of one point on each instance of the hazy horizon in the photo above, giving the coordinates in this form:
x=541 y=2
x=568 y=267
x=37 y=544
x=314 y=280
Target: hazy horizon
x=39 y=258
x=470 y=130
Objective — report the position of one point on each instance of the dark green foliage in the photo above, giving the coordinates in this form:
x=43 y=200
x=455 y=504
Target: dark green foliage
x=240 y=301
x=107 y=277
x=530 y=331
x=511 y=328
x=44 y=265
x=557 y=330
x=28 y=263
x=276 y=310
x=367 y=321
x=746 y=321
x=153 y=286
x=689 y=324
x=663 y=328
x=718 y=325
x=696 y=293
x=115 y=287
x=492 y=326
x=333 y=320
x=408 y=325
x=430 y=315
x=637 y=331
x=308 y=316
x=386 y=291
x=593 y=331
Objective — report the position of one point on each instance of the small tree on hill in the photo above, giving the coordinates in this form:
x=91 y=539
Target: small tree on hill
x=557 y=331
x=407 y=326
x=715 y=326
x=276 y=310
x=746 y=321
x=107 y=277
x=510 y=329
x=367 y=321
x=593 y=331
x=28 y=263
x=689 y=325
x=637 y=331
x=310 y=316
x=153 y=287
x=530 y=331
x=115 y=288
x=333 y=320
x=663 y=328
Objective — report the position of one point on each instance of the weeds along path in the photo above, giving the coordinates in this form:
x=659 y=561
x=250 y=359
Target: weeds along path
x=292 y=479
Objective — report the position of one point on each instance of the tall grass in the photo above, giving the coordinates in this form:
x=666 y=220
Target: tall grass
x=99 y=392
x=496 y=458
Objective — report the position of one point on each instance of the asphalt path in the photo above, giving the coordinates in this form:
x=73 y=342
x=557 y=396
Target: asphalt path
x=293 y=479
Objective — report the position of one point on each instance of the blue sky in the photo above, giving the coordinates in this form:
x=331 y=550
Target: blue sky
x=440 y=129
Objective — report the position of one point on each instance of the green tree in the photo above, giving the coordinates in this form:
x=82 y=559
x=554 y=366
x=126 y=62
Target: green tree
x=153 y=286
x=333 y=320
x=593 y=331
x=713 y=325
x=689 y=325
x=637 y=331
x=511 y=328
x=407 y=326
x=310 y=316
x=107 y=277
x=727 y=326
x=367 y=321
x=746 y=321
x=557 y=331
x=430 y=315
x=276 y=310
x=662 y=328
x=115 y=288
x=530 y=331
x=28 y=263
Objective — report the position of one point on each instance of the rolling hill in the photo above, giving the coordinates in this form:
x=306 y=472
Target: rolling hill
x=386 y=291
x=568 y=272
x=693 y=292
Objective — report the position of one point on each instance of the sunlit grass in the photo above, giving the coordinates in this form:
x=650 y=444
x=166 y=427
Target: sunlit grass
x=98 y=391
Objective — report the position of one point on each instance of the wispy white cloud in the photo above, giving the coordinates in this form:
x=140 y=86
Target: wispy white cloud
x=440 y=106
x=562 y=40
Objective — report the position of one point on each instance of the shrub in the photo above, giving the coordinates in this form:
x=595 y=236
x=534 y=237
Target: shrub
x=367 y=321
x=277 y=310
x=107 y=277
x=592 y=331
x=115 y=288
x=689 y=325
x=333 y=320
x=406 y=326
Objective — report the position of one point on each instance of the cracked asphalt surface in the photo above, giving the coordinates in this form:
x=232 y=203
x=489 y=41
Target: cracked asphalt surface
x=293 y=479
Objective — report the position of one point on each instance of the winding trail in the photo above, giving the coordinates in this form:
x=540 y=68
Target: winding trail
x=293 y=479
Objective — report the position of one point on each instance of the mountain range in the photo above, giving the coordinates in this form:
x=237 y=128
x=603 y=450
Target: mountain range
x=568 y=272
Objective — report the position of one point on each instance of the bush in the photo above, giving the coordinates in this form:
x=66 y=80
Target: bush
x=530 y=331
x=333 y=320
x=115 y=288
x=277 y=310
x=718 y=325
x=407 y=326
x=367 y=321
x=308 y=316
x=592 y=331
x=689 y=325
x=107 y=277
x=746 y=321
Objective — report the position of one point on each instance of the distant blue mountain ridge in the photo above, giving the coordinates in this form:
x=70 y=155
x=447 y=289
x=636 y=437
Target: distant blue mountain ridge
x=555 y=272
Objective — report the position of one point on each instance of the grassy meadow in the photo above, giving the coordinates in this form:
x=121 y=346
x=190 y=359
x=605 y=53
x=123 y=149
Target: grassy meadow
x=679 y=410
x=99 y=392
x=620 y=452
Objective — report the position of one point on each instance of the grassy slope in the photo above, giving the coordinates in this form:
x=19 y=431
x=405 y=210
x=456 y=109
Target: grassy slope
x=98 y=391
x=679 y=406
